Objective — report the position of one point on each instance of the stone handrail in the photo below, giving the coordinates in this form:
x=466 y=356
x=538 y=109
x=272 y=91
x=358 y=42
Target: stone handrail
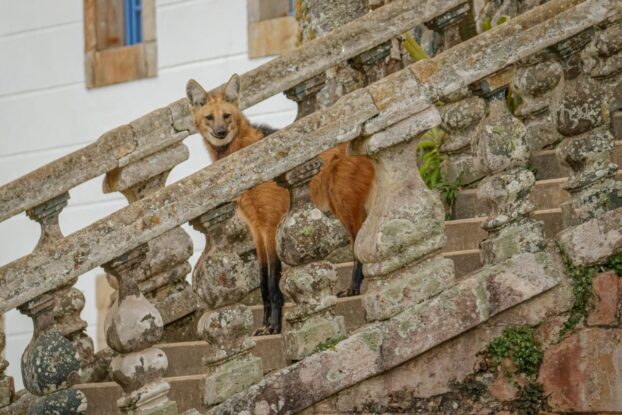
x=172 y=124
x=367 y=110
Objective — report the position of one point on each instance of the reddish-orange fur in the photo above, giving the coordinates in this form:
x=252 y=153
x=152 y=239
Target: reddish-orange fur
x=343 y=187
x=263 y=206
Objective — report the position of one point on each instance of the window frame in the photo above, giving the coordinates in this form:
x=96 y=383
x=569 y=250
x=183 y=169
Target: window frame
x=108 y=65
x=272 y=27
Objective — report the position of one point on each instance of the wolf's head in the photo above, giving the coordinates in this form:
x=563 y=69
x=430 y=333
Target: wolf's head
x=216 y=115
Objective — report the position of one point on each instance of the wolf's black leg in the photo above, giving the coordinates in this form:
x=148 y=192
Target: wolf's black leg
x=276 y=296
x=357 y=280
x=265 y=297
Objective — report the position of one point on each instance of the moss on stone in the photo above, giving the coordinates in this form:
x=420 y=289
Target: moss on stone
x=329 y=344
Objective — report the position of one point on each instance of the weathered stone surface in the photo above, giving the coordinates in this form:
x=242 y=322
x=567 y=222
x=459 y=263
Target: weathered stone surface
x=70 y=401
x=607 y=288
x=501 y=144
x=536 y=80
x=382 y=346
x=595 y=240
x=132 y=326
x=311 y=318
x=511 y=229
x=231 y=377
x=136 y=224
x=229 y=254
x=305 y=233
x=582 y=373
x=401 y=225
x=407 y=287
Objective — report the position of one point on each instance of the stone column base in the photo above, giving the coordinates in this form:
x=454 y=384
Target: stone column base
x=231 y=377
x=304 y=337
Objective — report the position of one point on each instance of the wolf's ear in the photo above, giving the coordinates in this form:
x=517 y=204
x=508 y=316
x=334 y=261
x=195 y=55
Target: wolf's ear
x=232 y=90
x=196 y=94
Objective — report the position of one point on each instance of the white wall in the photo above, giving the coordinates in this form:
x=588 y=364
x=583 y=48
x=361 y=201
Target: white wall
x=46 y=110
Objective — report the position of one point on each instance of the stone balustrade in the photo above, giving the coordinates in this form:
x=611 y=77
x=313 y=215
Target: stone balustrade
x=135 y=244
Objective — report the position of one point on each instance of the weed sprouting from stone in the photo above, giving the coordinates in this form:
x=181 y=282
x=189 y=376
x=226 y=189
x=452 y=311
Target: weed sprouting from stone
x=530 y=400
x=519 y=345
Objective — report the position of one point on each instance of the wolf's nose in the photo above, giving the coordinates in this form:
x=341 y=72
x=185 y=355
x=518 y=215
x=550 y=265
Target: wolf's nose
x=220 y=132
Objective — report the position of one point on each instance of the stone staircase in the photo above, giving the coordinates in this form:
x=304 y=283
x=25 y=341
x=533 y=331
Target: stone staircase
x=185 y=372
x=437 y=294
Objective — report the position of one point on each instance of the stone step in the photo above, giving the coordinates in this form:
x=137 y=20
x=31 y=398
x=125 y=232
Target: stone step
x=547 y=167
x=466 y=234
x=547 y=194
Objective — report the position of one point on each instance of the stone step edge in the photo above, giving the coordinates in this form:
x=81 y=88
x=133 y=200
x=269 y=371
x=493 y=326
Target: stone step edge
x=543 y=195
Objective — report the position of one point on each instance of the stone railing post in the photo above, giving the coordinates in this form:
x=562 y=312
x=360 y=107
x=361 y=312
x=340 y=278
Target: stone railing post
x=536 y=80
x=448 y=26
x=163 y=278
x=68 y=301
x=132 y=327
x=222 y=279
x=305 y=237
x=502 y=152
x=7 y=388
x=400 y=242
x=463 y=116
x=229 y=247
x=50 y=363
x=581 y=113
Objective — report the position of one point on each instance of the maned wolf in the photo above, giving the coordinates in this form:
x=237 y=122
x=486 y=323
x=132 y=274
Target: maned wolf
x=342 y=186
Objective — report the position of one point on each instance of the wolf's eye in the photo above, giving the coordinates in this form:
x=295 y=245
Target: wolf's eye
x=210 y=117
x=227 y=115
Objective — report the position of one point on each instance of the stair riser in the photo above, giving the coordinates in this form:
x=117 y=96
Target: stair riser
x=547 y=194
x=465 y=235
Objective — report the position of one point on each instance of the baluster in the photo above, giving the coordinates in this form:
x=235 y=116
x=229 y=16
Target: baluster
x=132 y=327
x=463 y=121
x=536 y=81
x=585 y=152
x=305 y=237
x=68 y=301
x=50 y=363
x=166 y=264
x=400 y=242
x=222 y=278
x=502 y=152
x=7 y=388
x=448 y=26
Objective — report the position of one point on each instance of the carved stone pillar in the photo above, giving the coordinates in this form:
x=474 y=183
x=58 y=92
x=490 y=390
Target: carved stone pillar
x=400 y=242
x=305 y=237
x=163 y=275
x=7 y=388
x=68 y=301
x=463 y=121
x=502 y=152
x=448 y=26
x=602 y=59
x=132 y=327
x=536 y=80
x=50 y=363
x=222 y=278
x=581 y=113
x=229 y=247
